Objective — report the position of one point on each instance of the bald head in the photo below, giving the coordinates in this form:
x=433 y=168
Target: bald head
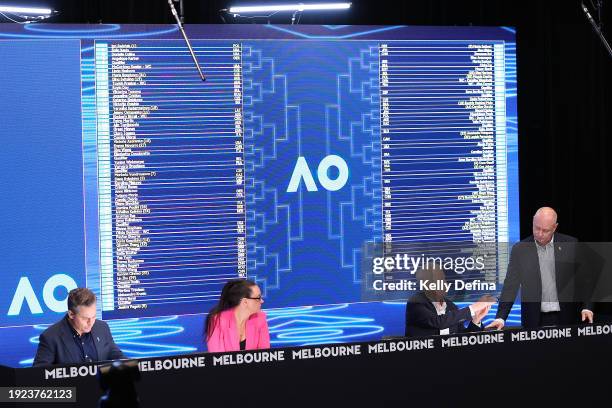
x=432 y=276
x=544 y=225
x=546 y=214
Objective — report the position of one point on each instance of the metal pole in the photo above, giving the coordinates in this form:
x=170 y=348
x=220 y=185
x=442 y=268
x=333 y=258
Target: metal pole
x=182 y=30
x=181 y=11
x=596 y=28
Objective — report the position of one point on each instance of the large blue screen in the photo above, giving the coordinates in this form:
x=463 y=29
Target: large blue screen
x=124 y=172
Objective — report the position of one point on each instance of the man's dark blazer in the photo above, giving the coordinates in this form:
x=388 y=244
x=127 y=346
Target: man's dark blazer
x=57 y=345
x=524 y=274
x=423 y=320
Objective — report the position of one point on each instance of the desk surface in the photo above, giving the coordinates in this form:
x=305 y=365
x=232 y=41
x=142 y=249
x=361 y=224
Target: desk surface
x=549 y=364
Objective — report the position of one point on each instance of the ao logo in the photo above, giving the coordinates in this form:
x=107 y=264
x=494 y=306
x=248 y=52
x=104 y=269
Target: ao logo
x=25 y=292
x=302 y=171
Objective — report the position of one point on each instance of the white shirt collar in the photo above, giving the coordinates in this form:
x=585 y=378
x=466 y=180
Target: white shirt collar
x=440 y=308
x=549 y=245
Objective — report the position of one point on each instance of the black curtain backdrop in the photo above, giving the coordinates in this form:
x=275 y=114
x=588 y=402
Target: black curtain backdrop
x=564 y=81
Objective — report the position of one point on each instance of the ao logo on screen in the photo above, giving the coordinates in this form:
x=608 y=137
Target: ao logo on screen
x=301 y=171
x=25 y=294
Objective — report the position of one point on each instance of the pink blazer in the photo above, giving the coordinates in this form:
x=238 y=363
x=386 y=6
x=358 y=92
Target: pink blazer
x=225 y=336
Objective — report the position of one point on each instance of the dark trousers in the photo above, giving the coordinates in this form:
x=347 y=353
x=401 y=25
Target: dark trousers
x=549 y=318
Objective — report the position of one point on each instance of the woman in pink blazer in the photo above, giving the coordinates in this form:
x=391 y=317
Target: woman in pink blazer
x=237 y=322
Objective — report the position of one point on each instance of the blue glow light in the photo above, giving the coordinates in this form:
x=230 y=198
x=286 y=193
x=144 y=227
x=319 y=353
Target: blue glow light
x=50 y=33
x=93 y=29
x=327 y=37
x=127 y=331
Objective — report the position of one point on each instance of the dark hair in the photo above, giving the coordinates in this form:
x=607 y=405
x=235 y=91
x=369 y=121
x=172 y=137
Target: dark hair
x=80 y=297
x=231 y=295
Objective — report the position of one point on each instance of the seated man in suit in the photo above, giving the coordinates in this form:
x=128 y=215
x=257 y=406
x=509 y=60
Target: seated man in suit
x=78 y=337
x=430 y=312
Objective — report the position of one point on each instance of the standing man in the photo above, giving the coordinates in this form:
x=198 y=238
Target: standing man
x=78 y=337
x=544 y=267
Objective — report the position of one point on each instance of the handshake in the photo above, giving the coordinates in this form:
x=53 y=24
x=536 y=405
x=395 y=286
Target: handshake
x=481 y=307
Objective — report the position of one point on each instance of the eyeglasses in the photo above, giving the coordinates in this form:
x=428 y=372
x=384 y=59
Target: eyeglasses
x=260 y=298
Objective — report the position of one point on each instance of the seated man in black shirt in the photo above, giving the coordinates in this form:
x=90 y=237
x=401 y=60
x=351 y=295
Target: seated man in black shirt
x=78 y=337
x=430 y=312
